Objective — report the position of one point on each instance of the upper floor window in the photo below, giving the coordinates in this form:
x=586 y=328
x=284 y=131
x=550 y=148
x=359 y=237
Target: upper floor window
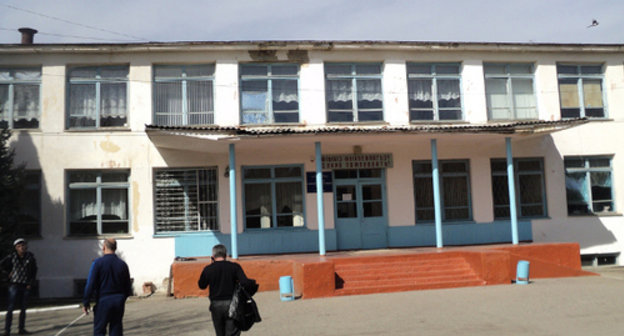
x=269 y=93
x=580 y=91
x=509 y=91
x=273 y=196
x=529 y=186
x=353 y=92
x=185 y=199
x=98 y=202
x=98 y=97
x=19 y=97
x=454 y=190
x=183 y=94
x=434 y=91
x=589 y=185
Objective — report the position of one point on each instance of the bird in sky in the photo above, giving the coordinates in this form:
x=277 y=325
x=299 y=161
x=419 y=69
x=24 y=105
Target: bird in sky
x=593 y=24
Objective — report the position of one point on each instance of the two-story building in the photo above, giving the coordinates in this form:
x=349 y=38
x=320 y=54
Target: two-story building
x=311 y=146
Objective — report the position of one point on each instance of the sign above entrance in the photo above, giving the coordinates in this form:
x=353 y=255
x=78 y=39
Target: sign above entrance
x=357 y=161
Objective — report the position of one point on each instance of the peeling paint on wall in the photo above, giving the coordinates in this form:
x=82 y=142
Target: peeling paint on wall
x=298 y=56
x=263 y=55
x=109 y=147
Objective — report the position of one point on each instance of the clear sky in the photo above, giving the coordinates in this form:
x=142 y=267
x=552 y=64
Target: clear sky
x=104 y=21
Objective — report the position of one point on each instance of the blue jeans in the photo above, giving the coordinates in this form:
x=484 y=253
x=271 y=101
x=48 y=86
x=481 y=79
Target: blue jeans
x=109 y=311
x=18 y=297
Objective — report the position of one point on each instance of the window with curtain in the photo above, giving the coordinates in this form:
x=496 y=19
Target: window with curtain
x=185 y=200
x=183 y=94
x=98 y=202
x=98 y=97
x=269 y=93
x=353 y=92
x=273 y=197
x=19 y=97
x=589 y=186
x=580 y=91
x=529 y=186
x=454 y=190
x=509 y=91
x=434 y=91
x=29 y=220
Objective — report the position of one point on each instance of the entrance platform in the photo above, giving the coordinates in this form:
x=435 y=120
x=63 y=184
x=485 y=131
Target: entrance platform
x=392 y=270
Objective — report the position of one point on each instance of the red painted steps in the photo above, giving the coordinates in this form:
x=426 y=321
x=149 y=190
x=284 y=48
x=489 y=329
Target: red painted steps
x=402 y=273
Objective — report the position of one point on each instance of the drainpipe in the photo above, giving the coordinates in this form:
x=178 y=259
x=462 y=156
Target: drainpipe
x=233 y=221
x=512 y=193
x=319 y=198
x=437 y=204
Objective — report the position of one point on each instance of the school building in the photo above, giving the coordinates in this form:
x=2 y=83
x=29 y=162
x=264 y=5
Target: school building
x=275 y=147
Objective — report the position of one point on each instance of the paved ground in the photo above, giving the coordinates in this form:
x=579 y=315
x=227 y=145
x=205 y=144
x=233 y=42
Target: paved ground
x=567 y=306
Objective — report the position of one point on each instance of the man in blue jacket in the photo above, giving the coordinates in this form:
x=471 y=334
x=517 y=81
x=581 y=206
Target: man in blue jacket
x=109 y=283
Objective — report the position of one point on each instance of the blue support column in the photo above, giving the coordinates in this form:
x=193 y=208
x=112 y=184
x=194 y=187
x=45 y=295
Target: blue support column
x=437 y=204
x=233 y=221
x=319 y=198
x=512 y=193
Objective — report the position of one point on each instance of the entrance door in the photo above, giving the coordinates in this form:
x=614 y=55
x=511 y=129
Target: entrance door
x=361 y=221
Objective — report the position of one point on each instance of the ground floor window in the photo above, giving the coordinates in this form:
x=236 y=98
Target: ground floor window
x=185 y=199
x=98 y=202
x=30 y=205
x=454 y=190
x=589 y=187
x=273 y=196
x=529 y=185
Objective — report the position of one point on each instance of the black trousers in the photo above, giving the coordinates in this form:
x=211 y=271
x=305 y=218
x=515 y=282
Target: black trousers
x=18 y=298
x=109 y=311
x=223 y=325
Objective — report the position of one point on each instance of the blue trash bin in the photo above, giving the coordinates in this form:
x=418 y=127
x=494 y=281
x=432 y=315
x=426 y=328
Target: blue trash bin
x=286 y=288
x=522 y=272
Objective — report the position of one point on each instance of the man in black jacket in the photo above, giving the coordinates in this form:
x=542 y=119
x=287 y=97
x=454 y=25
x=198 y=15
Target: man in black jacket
x=22 y=269
x=221 y=276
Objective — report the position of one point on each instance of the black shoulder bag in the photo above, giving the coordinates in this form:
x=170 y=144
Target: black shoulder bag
x=243 y=309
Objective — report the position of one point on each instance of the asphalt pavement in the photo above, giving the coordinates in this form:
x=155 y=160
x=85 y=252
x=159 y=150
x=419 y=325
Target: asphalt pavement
x=591 y=305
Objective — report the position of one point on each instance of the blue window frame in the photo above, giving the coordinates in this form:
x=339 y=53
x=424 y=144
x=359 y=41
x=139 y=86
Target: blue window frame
x=454 y=190
x=269 y=93
x=20 y=91
x=510 y=91
x=186 y=199
x=353 y=92
x=529 y=186
x=434 y=91
x=183 y=94
x=580 y=90
x=589 y=185
x=98 y=202
x=273 y=196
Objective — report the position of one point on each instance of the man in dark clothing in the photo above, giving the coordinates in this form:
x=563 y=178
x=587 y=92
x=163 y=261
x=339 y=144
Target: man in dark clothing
x=22 y=269
x=109 y=282
x=221 y=275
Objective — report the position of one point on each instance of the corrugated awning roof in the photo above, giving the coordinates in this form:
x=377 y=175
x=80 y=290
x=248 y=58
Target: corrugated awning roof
x=511 y=127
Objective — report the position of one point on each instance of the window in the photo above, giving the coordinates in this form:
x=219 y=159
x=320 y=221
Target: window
x=269 y=93
x=434 y=92
x=183 y=95
x=19 y=98
x=509 y=91
x=529 y=186
x=454 y=190
x=353 y=92
x=588 y=185
x=30 y=205
x=98 y=97
x=580 y=91
x=98 y=202
x=186 y=199
x=273 y=196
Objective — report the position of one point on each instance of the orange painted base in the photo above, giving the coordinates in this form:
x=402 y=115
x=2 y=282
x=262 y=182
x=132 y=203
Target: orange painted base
x=315 y=276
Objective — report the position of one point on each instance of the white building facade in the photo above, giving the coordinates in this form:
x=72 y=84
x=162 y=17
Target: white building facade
x=168 y=146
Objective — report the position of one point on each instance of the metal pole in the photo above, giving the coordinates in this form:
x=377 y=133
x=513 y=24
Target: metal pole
x=319 y=198
x=437 y=204
x=233 y=221
x=512 y=193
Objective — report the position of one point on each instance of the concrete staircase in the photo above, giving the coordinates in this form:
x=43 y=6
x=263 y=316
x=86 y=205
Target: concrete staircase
x=367 y=275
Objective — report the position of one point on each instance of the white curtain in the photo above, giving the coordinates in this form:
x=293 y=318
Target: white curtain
x=113 y=100
x=369 y=90
x=284 y=91
x=26 y=101
x=448 y=90
x=339 y=91
x=420 y=90
x=82 y=101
